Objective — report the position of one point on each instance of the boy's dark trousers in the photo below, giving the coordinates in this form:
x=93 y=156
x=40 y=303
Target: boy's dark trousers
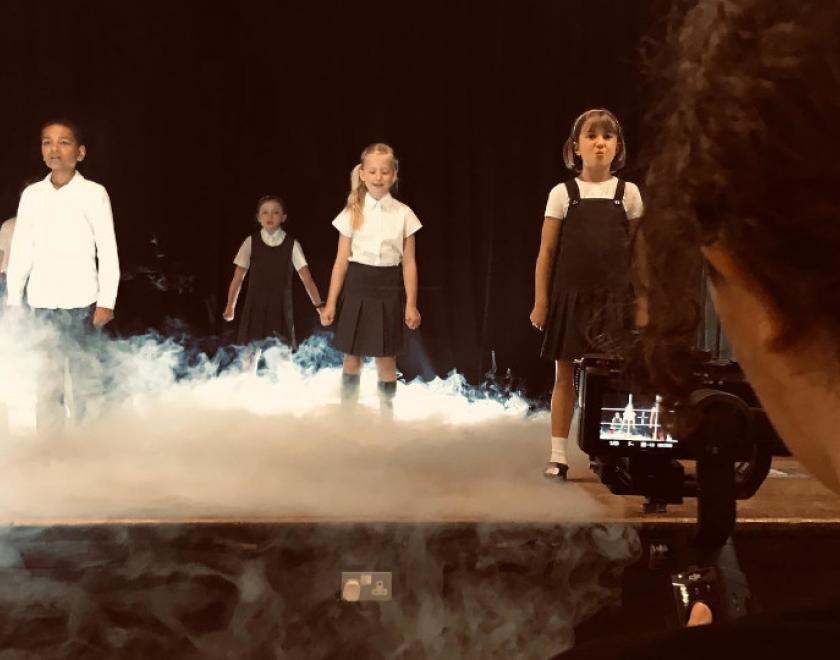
x=70 y=339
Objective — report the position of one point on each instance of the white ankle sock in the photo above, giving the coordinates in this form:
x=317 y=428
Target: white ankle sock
x=558 y=450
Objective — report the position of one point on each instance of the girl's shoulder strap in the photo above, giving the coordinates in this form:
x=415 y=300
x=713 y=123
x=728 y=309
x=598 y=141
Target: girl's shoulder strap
x=619 y=192
x=573 y=190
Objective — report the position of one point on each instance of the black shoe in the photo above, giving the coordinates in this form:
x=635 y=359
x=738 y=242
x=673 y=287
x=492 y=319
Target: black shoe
x=349 y=388
x=387 y=391
x=556 y=471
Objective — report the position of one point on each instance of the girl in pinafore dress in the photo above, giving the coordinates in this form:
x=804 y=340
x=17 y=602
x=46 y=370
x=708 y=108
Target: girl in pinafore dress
x=583 y=289
x=373 y=288
x=271 y=256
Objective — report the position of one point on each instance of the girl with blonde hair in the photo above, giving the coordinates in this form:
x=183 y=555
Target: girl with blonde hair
x=373 y=288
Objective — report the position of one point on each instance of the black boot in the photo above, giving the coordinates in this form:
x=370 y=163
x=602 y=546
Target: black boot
x=387 y=392
x=349 y=388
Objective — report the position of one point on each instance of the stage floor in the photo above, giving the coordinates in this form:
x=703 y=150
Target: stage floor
x=789 y=496
x=465 y=586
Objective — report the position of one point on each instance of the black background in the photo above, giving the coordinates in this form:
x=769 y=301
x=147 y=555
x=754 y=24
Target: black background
x=191 y=113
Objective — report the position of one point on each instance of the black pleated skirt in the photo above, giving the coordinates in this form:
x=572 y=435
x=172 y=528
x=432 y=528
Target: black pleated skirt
x=370 y=311
x=586 y=321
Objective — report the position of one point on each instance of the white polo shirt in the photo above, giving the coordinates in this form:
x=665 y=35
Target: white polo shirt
x=558 y=198
x=59 y=236
x=379 y=241
x=243 y=257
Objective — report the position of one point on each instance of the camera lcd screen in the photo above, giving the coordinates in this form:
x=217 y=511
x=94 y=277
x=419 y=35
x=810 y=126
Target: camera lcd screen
x=631 y=420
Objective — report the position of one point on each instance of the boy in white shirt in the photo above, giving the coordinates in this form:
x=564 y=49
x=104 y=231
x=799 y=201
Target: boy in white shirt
x=64 y=255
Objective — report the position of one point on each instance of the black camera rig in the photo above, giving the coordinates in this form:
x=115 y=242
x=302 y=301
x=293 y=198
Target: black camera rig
x=637 y=448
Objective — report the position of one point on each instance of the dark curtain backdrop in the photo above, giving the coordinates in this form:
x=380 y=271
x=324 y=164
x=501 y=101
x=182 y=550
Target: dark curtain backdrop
x=192 y=112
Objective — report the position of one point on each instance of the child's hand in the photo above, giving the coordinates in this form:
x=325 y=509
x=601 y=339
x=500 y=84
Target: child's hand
x=102 y=316
x=327 y=313
x=412 y=318
x=538 y=315
x=227 y=315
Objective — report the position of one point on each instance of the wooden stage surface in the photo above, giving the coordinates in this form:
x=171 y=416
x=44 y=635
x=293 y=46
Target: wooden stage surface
x=789 y=496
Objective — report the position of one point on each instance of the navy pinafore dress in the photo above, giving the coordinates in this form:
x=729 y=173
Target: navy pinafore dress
x=591 y=296
x=268 y=304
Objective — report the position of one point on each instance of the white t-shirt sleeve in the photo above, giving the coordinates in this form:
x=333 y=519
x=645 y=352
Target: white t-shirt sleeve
x=633 y=205
x=412 y=223
x=342 y=223
x=243 y=257
x=298 y=260
x=558 y=202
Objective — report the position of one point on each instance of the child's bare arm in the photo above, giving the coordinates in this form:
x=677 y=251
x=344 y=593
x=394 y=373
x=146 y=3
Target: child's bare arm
x=233 y=292
x=412 y=315
x=339 y=272
x=310 y=286
x=545 y=261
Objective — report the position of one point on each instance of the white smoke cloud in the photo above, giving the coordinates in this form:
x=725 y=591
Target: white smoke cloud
x=181 y=437
x=184 y=438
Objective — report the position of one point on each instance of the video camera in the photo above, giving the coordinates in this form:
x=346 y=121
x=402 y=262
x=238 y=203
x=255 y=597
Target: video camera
x=636 y=441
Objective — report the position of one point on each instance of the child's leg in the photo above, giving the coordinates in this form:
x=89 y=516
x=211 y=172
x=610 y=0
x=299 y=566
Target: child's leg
x=562 y=407
x=350 y=378
x=386 y=368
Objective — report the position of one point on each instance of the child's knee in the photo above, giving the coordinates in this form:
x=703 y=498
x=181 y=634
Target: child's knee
x=386 y=367
x=564 y=377
x=352 y=364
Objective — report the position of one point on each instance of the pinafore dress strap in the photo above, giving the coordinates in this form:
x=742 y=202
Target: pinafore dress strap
x=618 y=198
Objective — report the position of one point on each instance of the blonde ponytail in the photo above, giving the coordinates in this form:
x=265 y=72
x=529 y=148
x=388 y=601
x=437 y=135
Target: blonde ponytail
x=356 y=199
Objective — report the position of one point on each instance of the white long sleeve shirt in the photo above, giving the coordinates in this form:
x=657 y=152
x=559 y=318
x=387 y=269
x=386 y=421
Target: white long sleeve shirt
x=59 y=236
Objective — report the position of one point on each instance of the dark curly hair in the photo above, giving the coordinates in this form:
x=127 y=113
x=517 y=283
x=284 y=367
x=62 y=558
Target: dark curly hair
x=746 y=136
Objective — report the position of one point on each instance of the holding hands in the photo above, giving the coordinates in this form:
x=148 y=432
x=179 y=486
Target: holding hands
x=327 y=313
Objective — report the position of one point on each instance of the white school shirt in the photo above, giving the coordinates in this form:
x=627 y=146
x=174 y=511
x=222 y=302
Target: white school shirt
x=59 y=236
x=558 y=198
x=7 y=229
x=379 y=241
x=243 y=257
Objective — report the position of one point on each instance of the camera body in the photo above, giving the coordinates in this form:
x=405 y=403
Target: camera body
x=619 y=422
x=636 y=441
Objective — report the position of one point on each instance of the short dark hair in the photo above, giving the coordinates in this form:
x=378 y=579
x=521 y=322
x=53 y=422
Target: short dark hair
x=271 y=198
x=67 y=123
